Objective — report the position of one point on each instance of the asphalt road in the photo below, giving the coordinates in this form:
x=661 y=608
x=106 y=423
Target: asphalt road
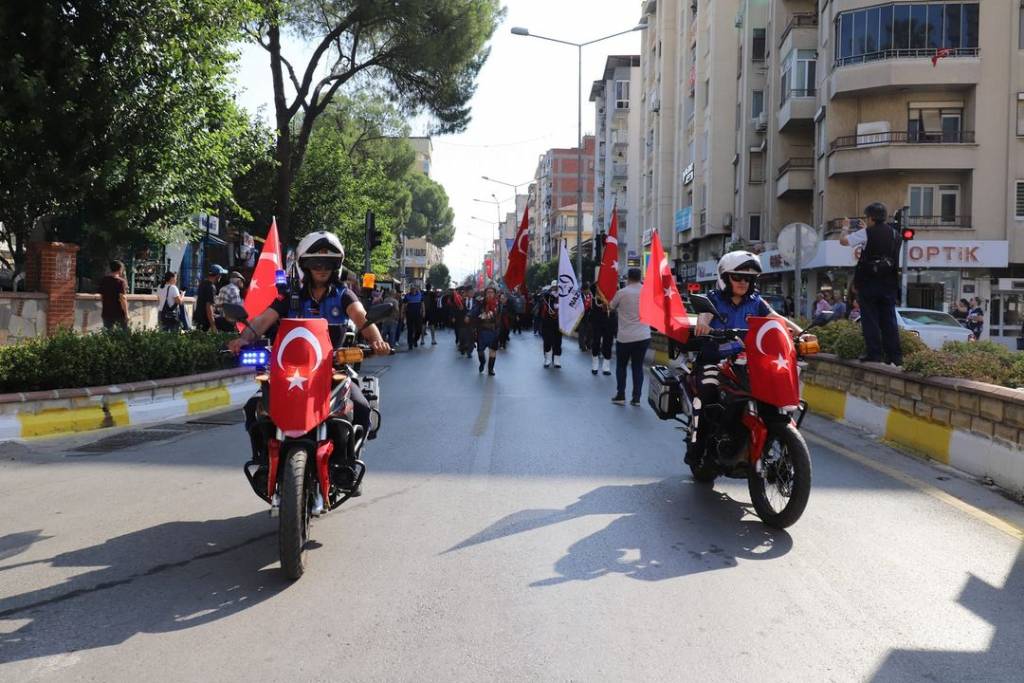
x=519 y=527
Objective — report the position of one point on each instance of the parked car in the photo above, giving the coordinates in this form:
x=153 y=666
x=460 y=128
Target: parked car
x=935 y=328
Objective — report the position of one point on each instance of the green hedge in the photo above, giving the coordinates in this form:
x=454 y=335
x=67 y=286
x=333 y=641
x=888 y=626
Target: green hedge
x=845 y=339
x=68 y=359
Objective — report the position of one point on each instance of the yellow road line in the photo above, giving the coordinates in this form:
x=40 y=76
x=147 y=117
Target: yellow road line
x=70 y=420
x=998 y=523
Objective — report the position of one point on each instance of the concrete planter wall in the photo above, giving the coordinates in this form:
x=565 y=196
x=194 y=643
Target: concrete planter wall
x=65 y=411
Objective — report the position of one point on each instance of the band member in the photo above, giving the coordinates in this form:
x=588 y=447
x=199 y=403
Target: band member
x=549 y=327
x=602 y=334
x=488 y=319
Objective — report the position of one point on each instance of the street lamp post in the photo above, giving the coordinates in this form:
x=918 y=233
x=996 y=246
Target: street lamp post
x=522 y=31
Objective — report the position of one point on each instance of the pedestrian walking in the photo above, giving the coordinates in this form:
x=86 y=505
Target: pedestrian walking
x=114 y=297
x=876 y=278
x=389 y=327
x=413 y=305
x=632 y=339
x=231 y=293
x=550 y=331
x=169 y=302
x=602 y=334
x=487 y=318
x=204 y=316
x=464 y=331
x=976 y=317
x=435 y=312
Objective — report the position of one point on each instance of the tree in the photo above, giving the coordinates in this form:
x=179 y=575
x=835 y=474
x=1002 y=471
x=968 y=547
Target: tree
x=438 y=276
x=117 y=121
x=431 y=216
x=423 y=55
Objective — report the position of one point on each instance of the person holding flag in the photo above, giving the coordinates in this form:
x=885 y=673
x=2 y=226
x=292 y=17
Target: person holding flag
x=633 y=338
x=602 y=320
x=549 y=330
x=515 y=274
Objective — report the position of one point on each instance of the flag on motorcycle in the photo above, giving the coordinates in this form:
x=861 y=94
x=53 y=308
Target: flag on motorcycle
x=608 y=278
x=771 y=362
x=263 y=288
x=301 y=369
x=515 y=274
x=570 y=299
x=661 y=307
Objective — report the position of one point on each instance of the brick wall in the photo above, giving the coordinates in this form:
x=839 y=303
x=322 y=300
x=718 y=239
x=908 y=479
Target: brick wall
x=983 y=409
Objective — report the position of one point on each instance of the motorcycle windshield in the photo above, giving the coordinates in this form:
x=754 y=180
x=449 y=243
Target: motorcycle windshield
x=771 y=362
x=301 y=367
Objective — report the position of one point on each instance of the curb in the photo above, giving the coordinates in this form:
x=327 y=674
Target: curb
x=970 y=453
x=103 y=407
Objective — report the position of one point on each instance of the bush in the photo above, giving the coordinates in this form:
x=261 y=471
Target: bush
x=846 y=340
x=984 y=361
x=69 y=360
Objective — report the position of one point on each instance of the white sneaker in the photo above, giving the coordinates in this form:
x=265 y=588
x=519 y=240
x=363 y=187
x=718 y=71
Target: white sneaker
x=547 y=359
x=558 y=363
x=594 y=368
x=606 y=366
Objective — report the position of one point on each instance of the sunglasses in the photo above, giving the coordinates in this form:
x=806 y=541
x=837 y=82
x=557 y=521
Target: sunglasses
x=739 y=277
x=320 y=263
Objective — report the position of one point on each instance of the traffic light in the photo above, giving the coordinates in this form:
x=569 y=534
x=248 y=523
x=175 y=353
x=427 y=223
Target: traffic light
x=907 y=234
x=372 y=236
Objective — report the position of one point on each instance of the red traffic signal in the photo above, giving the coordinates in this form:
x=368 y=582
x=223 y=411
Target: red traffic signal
x=907 y=234
x=693 y=288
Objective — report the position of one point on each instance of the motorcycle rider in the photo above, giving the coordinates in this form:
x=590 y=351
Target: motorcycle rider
x=736 y=299
x=324 y=295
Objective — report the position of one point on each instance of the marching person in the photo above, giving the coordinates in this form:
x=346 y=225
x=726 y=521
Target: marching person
x=464 y=319
x=487 y=318
x=549 y=329
x=413 y=305
x=602 y=334
x=506 y=323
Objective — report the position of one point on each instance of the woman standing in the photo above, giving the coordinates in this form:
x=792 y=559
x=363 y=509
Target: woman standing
x=549 y=327
x=169 y=300
x=488 y=318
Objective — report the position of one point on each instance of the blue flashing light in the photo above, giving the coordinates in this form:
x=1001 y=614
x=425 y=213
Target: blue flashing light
x=255 y=358
x=280 y=277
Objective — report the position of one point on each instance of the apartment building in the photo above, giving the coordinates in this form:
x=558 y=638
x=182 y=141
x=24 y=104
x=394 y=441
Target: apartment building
x=556 y=178
x=424 y=149
x=417 y=256
x=616 y=98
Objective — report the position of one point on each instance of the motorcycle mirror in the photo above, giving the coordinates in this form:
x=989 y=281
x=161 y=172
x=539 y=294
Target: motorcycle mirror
x=235 y=313
x=701 y=304
x=380 y=312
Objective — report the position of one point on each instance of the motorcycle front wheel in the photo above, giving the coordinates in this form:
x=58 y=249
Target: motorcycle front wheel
x=779 y=491
x=296 y=504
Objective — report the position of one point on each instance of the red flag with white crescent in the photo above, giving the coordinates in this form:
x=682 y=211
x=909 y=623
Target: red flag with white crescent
x=608 y=277
x=301 y=368
x=661 y=307
x=771 y=362
x=515 y=274
x=263 y=287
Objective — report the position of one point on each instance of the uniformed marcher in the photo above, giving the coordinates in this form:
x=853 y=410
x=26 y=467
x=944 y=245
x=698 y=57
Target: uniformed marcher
x=549 y=327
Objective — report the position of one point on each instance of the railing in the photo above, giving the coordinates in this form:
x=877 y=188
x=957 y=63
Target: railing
x=797 y=92
x=796 y=164
x=940 y=222
x=801 y=20
x=907 y=53
x=902 y=137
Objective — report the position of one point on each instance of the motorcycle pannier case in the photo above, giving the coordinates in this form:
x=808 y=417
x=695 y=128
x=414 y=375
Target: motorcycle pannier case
x=664 y=392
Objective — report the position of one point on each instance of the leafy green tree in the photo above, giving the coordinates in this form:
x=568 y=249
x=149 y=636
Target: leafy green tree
x=117 y=121
x=438 y=276
x=423 y=55
x=431 y=216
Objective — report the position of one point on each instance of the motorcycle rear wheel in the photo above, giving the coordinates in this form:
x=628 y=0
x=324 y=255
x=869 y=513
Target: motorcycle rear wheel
x=293 y=528
x=785 y=476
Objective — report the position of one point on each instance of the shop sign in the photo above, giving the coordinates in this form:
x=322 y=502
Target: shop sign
x=684 y=219
x=688 y=175
x=958 y=254
x=706 y=270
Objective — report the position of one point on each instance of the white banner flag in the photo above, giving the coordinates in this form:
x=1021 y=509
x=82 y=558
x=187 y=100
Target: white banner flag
x=570 y=300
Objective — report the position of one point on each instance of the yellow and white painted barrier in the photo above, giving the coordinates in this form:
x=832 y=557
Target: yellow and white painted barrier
x=970 y=453
x=80 y=410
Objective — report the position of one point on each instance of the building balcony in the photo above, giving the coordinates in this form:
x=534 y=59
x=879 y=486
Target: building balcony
x=902 y=151
x=797 y=109
x=795 y=178
x=801 y=33
x=905 y=68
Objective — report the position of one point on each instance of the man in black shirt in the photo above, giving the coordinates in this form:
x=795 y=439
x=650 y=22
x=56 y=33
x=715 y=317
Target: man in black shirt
x=203 y=317
x=877 y=281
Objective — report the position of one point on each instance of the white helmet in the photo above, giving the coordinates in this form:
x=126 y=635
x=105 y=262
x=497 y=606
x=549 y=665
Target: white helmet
x=321 y=244
x=737 y=262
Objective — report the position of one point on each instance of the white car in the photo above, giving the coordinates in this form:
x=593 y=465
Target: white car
x=935 y=328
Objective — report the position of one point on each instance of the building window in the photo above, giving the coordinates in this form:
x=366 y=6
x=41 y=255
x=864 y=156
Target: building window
x=756 y=167
x=904 y=29
x=1020 y=27
x=1019 y=211
x=704 y=146
x=1020 y=111
x=757 y=48
x=798 y=74
x=757 y=103
x=934 y=124
x=934 y=204
x=622 y=94
x=754 y=227
x=707 y=92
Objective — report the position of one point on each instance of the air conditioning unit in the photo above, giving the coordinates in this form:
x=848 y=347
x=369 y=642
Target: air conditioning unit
x=761 y=122
x=727 y=220
x=739 y=20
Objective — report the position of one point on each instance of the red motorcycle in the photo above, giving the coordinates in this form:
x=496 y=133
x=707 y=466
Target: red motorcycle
x=306 y=445
x=753 y=430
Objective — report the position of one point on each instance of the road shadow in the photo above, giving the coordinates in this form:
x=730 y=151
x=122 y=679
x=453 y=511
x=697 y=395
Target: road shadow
x=17 y=543
x=165 y=578
x=1002 y=607
x=661 y=532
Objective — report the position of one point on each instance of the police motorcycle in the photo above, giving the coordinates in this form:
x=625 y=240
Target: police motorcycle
x=306 y=445
x=754 y=433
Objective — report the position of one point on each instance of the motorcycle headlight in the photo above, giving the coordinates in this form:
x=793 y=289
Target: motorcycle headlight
x=254 y=358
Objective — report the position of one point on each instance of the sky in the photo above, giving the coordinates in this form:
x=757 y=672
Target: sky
x=525 y=103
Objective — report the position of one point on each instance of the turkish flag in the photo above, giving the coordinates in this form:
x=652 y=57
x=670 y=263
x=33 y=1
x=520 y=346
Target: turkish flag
x=263 y=287
x=301 y=368
x=489 y=268
x=661 y=307
x=939 y=54
x=771 y=362
x=608 y=277
x=515 y=274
